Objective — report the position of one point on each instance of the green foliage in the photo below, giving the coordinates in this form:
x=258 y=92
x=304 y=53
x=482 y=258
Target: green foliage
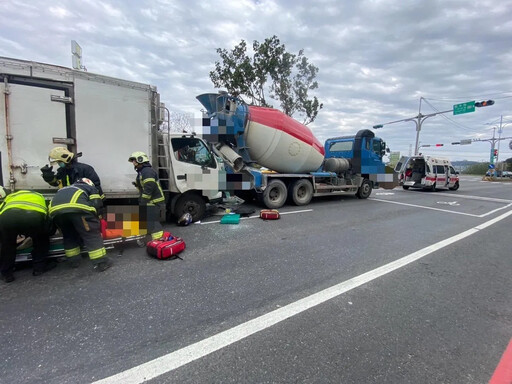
x=290 y=77
x=477 y=169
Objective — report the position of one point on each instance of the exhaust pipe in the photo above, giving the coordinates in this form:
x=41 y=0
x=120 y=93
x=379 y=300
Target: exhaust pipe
x=233 y=159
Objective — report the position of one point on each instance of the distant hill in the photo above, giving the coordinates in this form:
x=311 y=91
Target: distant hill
x=464 y=163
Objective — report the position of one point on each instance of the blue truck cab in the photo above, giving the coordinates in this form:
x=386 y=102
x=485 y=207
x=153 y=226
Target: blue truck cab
x=364 y=151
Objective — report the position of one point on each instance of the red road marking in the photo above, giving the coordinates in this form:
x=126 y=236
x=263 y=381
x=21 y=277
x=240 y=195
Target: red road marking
x=503 y=372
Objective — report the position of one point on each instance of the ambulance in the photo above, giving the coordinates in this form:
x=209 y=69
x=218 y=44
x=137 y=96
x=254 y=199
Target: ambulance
x=427 y=172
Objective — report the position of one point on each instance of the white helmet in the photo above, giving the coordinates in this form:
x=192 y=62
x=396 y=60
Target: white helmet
x=3 y=193
x=85 y=180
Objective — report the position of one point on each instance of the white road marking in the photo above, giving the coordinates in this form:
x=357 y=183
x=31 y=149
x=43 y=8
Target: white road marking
x=423 y=207
x=257 y=216
x=453 y=203
x=444 y=210
x=493 y=199
x=179 y=358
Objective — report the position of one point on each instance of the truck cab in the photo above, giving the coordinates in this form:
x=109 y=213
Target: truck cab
x=427 y=172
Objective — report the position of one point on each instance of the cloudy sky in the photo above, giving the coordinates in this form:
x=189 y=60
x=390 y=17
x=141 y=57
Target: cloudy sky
x=376 y=58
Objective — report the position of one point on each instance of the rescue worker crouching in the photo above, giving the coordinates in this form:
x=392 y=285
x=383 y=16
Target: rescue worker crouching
x=74 y=210
x=151 y=196
x=69 y=170
x=24 y=213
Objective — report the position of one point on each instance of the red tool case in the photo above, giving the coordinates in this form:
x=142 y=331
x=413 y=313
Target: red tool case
x=269 y=214
x=164 y=249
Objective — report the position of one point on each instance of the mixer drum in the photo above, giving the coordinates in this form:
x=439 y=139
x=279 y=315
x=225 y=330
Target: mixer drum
x=280 y=143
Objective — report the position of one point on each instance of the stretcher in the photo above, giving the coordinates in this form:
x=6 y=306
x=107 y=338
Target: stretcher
x=56 y=250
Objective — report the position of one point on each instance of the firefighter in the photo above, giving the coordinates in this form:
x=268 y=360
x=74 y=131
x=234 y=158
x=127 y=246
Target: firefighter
x=74 y=210
x=24 y=213
x=69 y=170
x=151 y=196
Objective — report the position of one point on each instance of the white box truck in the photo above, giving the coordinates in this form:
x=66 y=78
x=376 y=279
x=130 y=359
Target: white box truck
x=104 y=118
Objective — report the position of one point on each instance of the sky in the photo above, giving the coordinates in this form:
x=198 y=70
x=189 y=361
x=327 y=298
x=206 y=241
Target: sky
x=377 y=59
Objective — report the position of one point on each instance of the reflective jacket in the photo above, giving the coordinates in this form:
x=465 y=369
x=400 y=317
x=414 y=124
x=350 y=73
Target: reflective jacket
x=149 y=187
x=69 y=175
x=75 y=199
x=26 y=200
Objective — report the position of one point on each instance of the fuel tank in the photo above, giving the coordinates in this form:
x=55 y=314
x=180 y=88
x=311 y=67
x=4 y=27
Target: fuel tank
x=280 y=143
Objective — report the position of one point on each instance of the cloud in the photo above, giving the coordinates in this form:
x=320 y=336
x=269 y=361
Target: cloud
x=376 y=58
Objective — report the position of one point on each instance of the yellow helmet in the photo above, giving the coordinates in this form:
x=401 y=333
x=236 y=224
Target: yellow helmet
x=139 y=157
x=60 y=154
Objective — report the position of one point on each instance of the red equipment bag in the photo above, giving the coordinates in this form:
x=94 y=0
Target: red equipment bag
x=165 y=248
x=269 y=214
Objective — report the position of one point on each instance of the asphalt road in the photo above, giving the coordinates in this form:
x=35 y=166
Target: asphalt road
x=304 y=299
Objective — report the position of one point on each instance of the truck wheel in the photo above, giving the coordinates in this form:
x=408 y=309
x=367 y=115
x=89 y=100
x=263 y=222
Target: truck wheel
x=455 y=187
x=406 y=187
x=301 y=192
x=192 y=204
x=365 y=190
x=275 y=194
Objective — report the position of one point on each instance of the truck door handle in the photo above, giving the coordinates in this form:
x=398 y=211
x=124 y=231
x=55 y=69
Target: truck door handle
x=181 y=177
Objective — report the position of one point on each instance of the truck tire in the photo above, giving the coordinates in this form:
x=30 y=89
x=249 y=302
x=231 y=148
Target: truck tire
x=190 y=203
x=455 y=187
x=406 y=187
x=275 y=194
x=365 y=190
x=301 y=192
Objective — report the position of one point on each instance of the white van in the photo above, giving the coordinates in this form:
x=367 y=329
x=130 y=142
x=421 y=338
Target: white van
x=427 y=172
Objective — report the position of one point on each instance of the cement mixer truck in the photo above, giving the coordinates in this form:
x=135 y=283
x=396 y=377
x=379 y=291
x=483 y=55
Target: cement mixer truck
x=243 y=149
x=279 y=159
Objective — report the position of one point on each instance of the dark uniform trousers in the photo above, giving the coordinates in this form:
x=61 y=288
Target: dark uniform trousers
x=14 y=222
x=81 y=228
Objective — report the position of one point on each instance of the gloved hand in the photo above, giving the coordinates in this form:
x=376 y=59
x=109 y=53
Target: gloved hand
x=47 y=173
x=136 y=185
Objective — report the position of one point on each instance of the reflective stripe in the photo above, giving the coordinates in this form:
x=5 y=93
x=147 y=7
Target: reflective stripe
x=76 y=195
x=82 y=207
x=26 y=200
x=148 y=180
x=72 y=252
x=97 y=253
x=95 y=196
x=144 y=196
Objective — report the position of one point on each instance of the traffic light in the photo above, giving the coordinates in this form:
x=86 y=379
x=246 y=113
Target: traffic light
x=439 y=145
x=495 y=153
x=484 y=103
x=377 y=126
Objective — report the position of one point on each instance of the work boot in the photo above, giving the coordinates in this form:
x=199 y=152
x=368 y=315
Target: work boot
x=40 y=269
x=8 y=277
x=103 y=265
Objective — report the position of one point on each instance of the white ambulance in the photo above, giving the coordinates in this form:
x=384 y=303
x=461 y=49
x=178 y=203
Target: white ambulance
x=427 y=172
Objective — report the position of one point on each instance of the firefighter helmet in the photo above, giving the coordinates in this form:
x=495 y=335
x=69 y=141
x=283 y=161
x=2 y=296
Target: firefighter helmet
x=85 y=180
x=60 y=154
x=139 y=157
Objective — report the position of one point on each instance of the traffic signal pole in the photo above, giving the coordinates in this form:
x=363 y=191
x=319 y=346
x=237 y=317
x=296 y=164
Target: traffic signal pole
x=418 y=121
x=420 y=118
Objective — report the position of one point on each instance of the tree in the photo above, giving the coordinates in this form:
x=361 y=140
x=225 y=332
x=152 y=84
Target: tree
x=178 y=122
x=291 y=77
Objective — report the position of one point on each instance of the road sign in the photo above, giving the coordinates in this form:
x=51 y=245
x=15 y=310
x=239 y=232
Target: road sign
x=459 y=109
x=491 y=166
